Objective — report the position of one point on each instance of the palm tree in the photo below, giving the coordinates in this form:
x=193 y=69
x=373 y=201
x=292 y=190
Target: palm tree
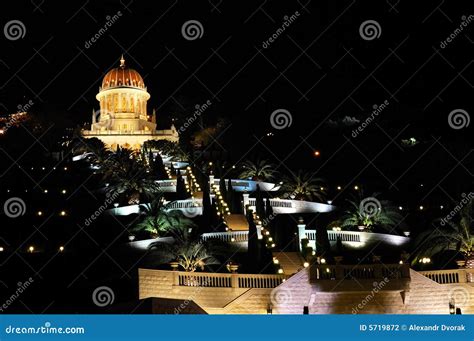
x=303 y=186
x=168 y=148
x=190 y=253
x=130 y=175
x=158 y=220
x=370 y=212
x=450 y=236
x=258 y=171
x=95 y=149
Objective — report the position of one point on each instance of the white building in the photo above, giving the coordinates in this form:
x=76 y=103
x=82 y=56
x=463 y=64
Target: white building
x=123 y=119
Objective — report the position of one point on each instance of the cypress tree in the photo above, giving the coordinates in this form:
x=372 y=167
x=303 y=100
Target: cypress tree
x=253 y=248
x=259 y=206
x=231 y=197
x=222 y=188
x=323 y=247
x=181 y=192
x=207 y=211
x=269 y=216
x=159 y=168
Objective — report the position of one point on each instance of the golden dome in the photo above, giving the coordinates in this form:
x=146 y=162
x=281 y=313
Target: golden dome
x=122 y=77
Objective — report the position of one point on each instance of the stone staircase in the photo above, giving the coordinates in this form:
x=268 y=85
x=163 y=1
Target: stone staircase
x=290 y=262
x=422 y=296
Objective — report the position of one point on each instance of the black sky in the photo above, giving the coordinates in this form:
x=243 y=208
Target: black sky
x=319 y=69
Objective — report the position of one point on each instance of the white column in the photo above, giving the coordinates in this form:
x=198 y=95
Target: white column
x=301 y=232
x=259 y=231
x=246 y=201
x=211 y=183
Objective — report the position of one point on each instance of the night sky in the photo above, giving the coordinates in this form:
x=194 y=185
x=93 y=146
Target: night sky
x=320 y=69
x=324 y=73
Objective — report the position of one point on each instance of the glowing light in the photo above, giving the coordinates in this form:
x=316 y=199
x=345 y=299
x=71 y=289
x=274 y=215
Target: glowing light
x=317 y=153
x=63 y=191
x=61 y=248
x=45 y=191
x=356 y=187
x=400 y=208
x=39 y=213
x=31 y=249
x=421 y=208
x=276 y=261
x=339 y=188
x=62 y=213
x=280 y=271
x=306 y=264
x=1 y=248
x=323 y=261
x=65 y=168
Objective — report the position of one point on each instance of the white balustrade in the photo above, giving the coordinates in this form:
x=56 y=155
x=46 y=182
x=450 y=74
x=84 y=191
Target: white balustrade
x=229 y=237
x=235 y=280
x=449 y=276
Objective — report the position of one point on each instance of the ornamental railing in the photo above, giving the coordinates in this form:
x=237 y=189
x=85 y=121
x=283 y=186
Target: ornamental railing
x=450 y=276
x=345 y=236
x=359 y=272
x=231 y=280
x=273 y=202
x=229 y=237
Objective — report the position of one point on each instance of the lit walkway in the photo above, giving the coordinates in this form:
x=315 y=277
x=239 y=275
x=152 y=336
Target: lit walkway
x=290 y=262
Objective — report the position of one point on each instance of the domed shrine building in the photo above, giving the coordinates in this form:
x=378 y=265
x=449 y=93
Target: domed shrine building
x=123 y=119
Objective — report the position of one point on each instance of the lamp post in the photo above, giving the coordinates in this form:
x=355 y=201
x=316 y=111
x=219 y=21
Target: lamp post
x=270 y=309
x=452 y=307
